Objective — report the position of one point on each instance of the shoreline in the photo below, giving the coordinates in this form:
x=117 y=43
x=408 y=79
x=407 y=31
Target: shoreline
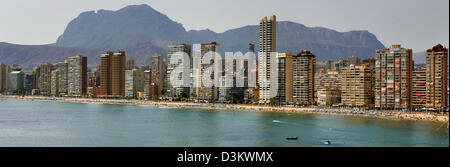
x=434 y=117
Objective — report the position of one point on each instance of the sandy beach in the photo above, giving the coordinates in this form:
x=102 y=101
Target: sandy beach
x=335 y=111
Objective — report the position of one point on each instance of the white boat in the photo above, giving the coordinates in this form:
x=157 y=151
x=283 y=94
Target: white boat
x=276 y=121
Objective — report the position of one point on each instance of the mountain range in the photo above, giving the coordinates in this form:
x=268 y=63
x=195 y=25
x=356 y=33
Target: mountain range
x=141 y=31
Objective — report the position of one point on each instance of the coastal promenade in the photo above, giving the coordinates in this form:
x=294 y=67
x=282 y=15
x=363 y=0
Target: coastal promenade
x=418 y=116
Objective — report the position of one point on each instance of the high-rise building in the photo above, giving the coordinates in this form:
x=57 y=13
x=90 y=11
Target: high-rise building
x=134 y=82
x=45 y=78
x=55 y=82
x=63 y=68
x=4 y=71
x=353 y=60
x=437 y=77
x=131 y=64
x=157 y=74
x=28 y=81
x=172 y=91
x=329 y=64
x=77 y=72
x=356 y=85
x=267 y=45
x=393 y=73
x=338 y=65
x=419 y=100
x=207 y=92
x=304 y=66
x=15 y=81
x=112 y=74
x=147 y=83
x=285 y=77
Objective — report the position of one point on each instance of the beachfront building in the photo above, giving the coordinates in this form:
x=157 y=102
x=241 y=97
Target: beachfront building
x=304 y=67
x=285 y=77
x=15 y=82
x=28 y=81
x=4 y=71
x=393 y=71
x=147 y=82
x=251 y=95
x=327 y=79
x=77 y=72
x=437 y=77
x=63 y=77
x=157 y=75
x=175 y=92
x=267 y=45
x=206 y=90
x=55 y=82
x=328 y=96
x=112 y=74
x=418 y=98
x=134 y=82
x=45 y=73
x=356 y=85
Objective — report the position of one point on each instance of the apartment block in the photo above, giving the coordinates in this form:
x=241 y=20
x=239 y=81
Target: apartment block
x=134 y=82
x=63 y=70
x=304 y=67
x=158 y=72
x=77 y=72
x=267 y=45
x=4 y=71
x=174 y=92
x=45 y=78
x=356 y=85
x=393 y=76
x=55 y=82
x=437 y=77
x=418 y=98
x=112 y=74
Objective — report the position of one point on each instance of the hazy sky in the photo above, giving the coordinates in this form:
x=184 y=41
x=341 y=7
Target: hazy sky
x=416 y=24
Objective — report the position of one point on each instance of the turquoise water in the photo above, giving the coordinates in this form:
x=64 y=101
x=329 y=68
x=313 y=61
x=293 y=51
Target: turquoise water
x=35 y=123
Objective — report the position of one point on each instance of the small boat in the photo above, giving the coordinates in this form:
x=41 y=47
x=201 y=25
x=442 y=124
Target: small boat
x=276 y=121
x=291 y=138
x=327 y=142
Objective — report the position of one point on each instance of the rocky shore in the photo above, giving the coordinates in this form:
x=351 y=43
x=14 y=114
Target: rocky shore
x=418 y=116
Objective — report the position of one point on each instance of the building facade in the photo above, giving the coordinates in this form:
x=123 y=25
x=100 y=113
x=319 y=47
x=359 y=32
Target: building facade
x=328 y=96
x=63 y=68
x=393 y=76
x=134 y=82
x=15 y=81
x=77 y=72
x=304 y=67
x=285 y=77
x=157 y=74
x=419 y=99
x=437 y=77
x=131 y=64
x=4 y=71
x=206 y=89
x=55 y=82
x=45 y=78
x=267 y=45
x=112 y=74
x=356 y=85
x=174 y=92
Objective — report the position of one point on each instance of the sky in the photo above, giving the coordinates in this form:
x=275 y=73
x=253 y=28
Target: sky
x=416 y=24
